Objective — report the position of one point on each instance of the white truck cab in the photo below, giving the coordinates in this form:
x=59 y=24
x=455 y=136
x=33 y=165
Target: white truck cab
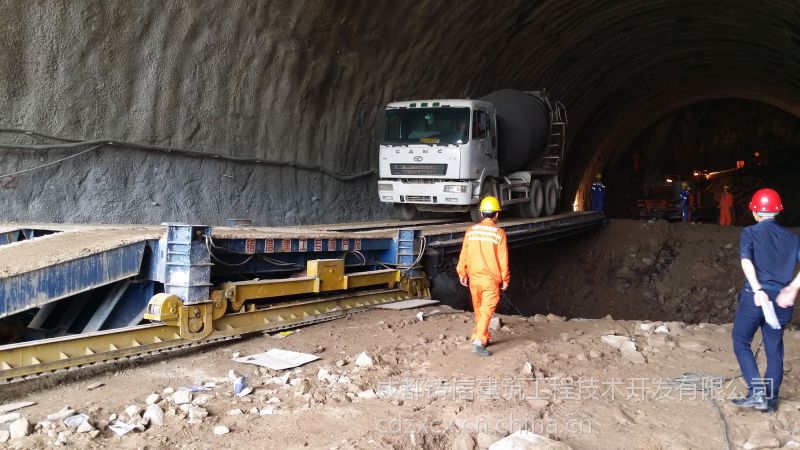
x=435 y=153
x=442 y=155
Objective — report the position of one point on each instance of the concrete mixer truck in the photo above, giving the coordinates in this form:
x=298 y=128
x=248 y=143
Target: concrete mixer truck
x=446 y=155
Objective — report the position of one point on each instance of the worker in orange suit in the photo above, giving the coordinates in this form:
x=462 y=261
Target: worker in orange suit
x=725 y=206
x=483 y=266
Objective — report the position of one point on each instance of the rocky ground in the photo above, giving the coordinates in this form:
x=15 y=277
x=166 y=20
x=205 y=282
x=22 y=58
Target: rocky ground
x=634 y=270
x=583 y=384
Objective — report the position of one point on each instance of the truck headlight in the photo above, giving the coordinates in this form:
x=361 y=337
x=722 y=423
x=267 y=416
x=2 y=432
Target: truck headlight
x=456 y=189
x=385 y=187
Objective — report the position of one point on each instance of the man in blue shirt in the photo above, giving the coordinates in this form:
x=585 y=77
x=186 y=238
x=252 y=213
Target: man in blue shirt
x=686 y=203
x=769 y=253
x=598 y=193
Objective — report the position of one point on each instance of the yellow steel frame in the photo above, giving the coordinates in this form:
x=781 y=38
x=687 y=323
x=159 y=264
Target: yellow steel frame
x=324 y=275
x=184 y=325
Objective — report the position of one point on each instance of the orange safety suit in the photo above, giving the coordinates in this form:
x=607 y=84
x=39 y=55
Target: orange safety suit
x=725 y=206
x=484 y=261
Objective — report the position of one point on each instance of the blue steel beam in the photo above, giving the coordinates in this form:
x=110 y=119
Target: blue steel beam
x=7 y=237
x=41 y=286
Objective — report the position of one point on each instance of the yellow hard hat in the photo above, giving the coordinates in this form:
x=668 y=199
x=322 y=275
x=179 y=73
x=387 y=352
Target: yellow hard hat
x=598 y=176
x=490 y=204
x=685 y=184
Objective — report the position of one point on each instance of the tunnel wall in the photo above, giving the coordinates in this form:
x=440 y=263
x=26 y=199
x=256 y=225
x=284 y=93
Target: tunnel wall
x=289 y=80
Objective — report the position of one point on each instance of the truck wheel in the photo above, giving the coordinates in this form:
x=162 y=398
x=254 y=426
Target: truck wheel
x=533 y=208
x=550 y=196
x=404 y=211
x=475 y=210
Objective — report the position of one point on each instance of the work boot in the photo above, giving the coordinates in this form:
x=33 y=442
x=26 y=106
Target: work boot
x=757 y=401
x=479 y=349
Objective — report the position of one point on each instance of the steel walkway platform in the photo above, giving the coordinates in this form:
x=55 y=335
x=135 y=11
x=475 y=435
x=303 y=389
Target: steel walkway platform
x=67 y=279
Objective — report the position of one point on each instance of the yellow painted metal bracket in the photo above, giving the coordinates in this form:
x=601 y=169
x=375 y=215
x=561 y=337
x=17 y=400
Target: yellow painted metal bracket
x=323 y=275
x=197 y=321
x=38 y=357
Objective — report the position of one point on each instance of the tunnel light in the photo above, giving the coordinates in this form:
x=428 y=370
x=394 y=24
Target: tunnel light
x=577 y=205
x=669 y=180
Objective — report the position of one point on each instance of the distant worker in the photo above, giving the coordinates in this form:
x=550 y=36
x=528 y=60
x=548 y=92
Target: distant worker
x=769 y=253
x=598 y=193
x=483 y=266
x=725 y=206
x=686 y=202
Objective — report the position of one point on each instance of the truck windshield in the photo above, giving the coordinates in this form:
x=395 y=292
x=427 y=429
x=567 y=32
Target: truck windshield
x=426 y=126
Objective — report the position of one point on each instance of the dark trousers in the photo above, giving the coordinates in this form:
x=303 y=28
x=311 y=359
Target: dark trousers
x=597 y=203
x=750 y=318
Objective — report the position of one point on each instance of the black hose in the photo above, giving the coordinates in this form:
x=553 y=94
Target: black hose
x=68 y=143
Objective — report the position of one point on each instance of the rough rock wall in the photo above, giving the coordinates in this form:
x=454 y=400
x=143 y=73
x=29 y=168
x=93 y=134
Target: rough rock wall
x=288 y=80
x=273 y=80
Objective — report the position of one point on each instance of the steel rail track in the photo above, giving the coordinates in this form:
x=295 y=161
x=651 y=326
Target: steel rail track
x=31 y=360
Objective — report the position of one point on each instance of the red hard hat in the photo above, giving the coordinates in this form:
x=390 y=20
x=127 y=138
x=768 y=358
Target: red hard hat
x=766 y=200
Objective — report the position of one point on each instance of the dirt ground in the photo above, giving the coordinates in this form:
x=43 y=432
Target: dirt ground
x=634 y=270
x=432 y=390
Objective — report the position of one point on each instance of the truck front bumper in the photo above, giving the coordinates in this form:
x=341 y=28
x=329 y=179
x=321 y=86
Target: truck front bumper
x=438 y=193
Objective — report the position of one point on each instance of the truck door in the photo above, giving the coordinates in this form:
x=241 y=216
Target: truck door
x=483 y=153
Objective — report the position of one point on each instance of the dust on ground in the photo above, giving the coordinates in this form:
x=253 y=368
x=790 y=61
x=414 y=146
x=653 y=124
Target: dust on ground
x=634 y=270
x=425 y=389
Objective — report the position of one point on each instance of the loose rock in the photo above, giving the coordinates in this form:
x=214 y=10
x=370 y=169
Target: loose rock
x=133 y=410
x=8 y=418
x=19 y=428
x=197 y=414
x=614 y=341
x=527 y=368
x=693 y=346
x=4 y=436
x=303 y=388
x=182 y=397
x=364 y=360
x=485 y=440
x=523 y=439
x=152 y=399
x=760 y=439
x=221 y=429
x=85 y=427
x=463 y=441
x=495 y=324
x=201 y=399
x=155 y=414
x=367 y=395
x=61 y=415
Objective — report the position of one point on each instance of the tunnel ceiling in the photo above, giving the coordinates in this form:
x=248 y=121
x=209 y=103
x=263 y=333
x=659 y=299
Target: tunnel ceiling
x=287 y=80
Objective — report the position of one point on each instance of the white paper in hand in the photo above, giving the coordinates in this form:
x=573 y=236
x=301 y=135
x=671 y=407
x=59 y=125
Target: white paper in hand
x=769 y=315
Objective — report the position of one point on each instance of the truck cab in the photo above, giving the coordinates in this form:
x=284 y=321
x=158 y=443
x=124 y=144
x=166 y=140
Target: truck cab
x=434 y=154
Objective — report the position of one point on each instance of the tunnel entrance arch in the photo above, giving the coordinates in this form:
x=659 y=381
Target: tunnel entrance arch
x=758 y=109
